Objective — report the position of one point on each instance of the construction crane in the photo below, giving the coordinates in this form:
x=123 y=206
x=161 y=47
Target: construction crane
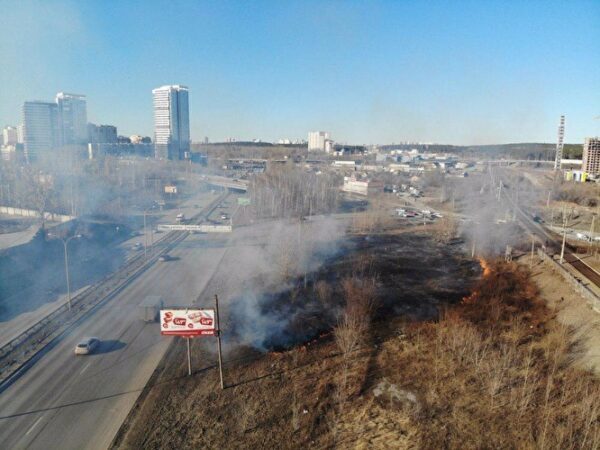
x=560 y=143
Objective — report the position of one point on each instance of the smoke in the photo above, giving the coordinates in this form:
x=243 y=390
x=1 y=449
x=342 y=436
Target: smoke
x=269 y=263
x=492 y=223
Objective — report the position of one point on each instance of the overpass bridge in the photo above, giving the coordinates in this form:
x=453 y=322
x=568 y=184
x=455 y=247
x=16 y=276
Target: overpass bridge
x=229 y=183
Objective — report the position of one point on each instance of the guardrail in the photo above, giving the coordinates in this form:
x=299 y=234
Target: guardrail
x=590 y=296
x=43 y=331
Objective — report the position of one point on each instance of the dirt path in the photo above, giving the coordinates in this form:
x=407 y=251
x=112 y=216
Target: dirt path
x=572 y=310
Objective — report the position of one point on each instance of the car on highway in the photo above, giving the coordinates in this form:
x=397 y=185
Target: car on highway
x=137 y=246
x=87 y=346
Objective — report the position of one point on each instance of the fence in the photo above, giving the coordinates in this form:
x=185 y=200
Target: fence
x=592 y=299
x=11 y=211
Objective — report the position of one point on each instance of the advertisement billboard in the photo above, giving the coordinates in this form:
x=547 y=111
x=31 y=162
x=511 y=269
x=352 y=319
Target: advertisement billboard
x=187 y=322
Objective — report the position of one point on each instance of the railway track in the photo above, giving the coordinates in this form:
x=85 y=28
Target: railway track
x=22 y=351
x=555 y=242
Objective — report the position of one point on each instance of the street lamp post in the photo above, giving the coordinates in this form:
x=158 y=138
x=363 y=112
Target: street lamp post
x=65 y=244
x=146 y=235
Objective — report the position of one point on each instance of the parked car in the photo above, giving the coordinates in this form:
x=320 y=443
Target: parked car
x=137 y=246
x=87 y=346
x=164 y=258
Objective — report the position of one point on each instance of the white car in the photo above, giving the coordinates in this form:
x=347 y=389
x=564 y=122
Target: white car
x=87 y=346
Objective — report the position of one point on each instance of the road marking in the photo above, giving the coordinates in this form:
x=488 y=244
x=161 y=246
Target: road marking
x=33 y=426
x=85 y=368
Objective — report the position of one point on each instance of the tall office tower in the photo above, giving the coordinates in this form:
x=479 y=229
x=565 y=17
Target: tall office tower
x=559 y=144
x=40 y=128
x=317 y=140
x=9 y=136
x=72 y=114
x=171 y=122
x=591 y=156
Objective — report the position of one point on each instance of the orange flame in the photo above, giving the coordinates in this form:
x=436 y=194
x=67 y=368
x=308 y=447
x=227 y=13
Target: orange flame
x=485 y=266
x=487 y=270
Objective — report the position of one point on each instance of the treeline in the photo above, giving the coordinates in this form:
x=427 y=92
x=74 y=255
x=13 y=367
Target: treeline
x=283 y=192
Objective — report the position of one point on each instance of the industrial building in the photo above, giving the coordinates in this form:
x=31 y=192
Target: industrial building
x=591 y=156
x=361 y=187
x=319 y=141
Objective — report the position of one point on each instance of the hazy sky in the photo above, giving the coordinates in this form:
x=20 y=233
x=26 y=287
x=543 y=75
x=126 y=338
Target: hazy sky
x=368 y=72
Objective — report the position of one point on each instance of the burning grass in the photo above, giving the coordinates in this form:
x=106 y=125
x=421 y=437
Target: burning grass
x=493 y=371
x=496 y=371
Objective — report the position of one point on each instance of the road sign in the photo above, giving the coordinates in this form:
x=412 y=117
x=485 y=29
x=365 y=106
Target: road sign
x=187 y=322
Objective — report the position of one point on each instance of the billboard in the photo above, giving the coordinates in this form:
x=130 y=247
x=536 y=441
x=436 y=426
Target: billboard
x=187 y=322
x=200 y=228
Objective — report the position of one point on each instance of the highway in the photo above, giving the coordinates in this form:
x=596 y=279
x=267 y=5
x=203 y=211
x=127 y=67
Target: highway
x=74 y=402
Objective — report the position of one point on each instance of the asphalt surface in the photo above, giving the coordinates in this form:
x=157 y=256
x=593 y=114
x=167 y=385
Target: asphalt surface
x=79 y=402
x=75 y=402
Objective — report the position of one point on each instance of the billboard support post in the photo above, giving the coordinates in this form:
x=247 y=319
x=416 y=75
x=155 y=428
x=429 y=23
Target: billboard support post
x=189 y=357
x=218 y=330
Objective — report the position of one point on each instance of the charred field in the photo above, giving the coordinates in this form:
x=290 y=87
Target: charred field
x=414 y=278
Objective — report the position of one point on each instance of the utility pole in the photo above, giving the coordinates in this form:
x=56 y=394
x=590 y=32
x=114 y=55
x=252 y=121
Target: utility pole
x=146 y=248
x=218 y=330
x=562 y=250
x=189 y=358
x=532 y=249
x=592 y=234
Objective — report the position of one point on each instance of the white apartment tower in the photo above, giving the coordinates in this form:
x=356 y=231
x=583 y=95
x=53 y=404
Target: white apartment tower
x=317 y=141
x=9 y=136
x=40 y=129
x=72 y=113
x=171 y=122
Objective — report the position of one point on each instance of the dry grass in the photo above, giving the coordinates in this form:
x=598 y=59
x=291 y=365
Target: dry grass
x=497 y=372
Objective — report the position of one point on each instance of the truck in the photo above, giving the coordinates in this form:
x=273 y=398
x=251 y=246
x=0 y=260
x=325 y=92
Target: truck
x=180 y=218
x=150 y=308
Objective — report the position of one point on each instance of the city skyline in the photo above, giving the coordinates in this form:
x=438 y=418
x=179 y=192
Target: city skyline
x=378 y=73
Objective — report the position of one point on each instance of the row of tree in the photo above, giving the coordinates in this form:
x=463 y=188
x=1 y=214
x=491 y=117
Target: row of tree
x=283 y=192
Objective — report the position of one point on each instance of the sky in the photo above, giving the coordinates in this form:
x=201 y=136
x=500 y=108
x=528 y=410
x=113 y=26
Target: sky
x=454 y=72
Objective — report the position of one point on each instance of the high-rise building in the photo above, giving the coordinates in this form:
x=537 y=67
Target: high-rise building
x=72 y=113
x=9 y=136
x=317 y=141
x=40 y=128
x=171 y=122
x=591 y=156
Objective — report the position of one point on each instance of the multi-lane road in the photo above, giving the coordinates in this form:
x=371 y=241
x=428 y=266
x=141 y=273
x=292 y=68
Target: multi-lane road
x=69 y=402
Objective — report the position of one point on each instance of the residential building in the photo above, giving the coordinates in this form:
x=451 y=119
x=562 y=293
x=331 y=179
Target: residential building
x=20 y=134
x=171 y=122
x=591 y=156
x=317 y=141
x=102 y=134
x=40 y=128
x=72 y=115
x=9 y=136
